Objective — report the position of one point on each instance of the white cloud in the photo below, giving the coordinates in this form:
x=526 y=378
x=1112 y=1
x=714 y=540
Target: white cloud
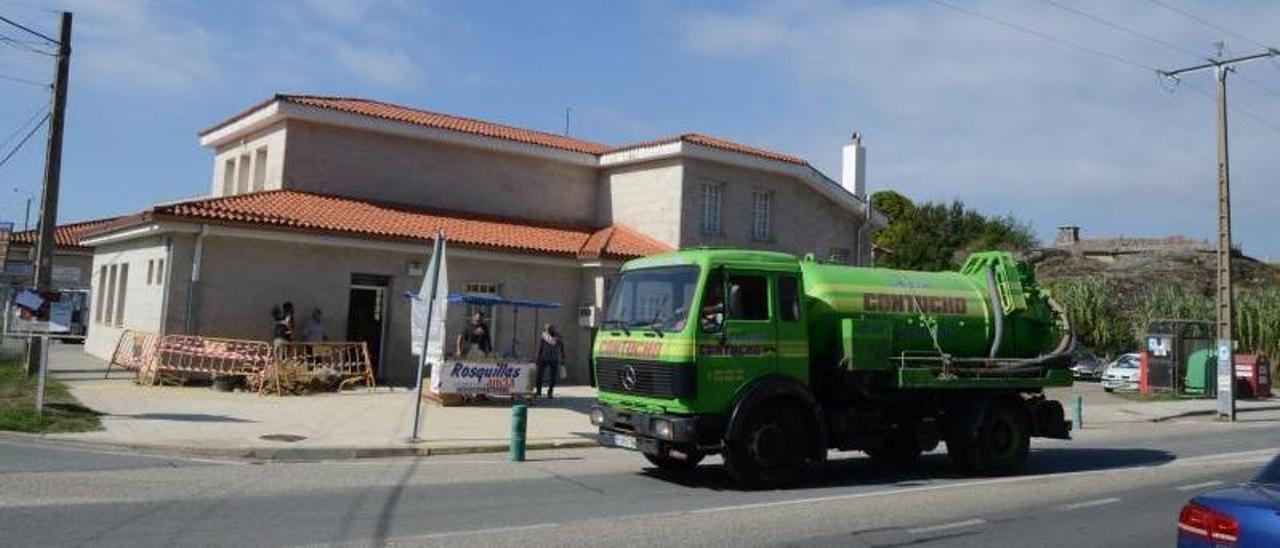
x=955 y=106
x=379 y=65
x=138 y=45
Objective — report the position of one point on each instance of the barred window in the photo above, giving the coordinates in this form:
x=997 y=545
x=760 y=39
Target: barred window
x=760 y=205
x=839 y=255
x=711 y=208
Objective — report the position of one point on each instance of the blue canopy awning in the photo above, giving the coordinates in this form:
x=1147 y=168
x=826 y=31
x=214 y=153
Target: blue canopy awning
x=491 y=300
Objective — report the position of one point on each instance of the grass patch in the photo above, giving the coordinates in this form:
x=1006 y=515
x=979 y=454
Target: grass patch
x=62 y=413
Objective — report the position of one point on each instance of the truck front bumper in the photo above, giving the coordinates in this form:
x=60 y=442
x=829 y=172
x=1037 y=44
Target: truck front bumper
x=657 y=434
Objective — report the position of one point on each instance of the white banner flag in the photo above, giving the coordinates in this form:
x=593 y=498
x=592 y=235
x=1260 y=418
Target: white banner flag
x=418 y=310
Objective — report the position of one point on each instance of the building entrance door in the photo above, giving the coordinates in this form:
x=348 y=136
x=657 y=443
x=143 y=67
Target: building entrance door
x=366 y=317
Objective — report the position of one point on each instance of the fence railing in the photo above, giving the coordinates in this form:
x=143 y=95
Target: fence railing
x=289 y=368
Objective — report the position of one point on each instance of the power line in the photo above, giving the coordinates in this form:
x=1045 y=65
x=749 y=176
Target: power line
x=40 y=110
x=1049 y=37
x=1207 y=22
x=28 y=30
x=1237 y=110
x=1255 y=83
x=17 y=80
x=24 y=46
x=1122 y=28
x=23 y=141
x=1098 y=53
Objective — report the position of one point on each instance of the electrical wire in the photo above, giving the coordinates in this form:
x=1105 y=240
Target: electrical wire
x=1041 y=35
x=25 y=46
x=1122 y=28
x=1255 y=83
x=39 y=110
x=23 y=141
x=28 y=30
x=17 y=80
x=1098 y=53
x=1207 y=22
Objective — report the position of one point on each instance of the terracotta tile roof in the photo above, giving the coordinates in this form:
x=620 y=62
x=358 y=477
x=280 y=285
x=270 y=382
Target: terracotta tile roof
x=716 y=142
x=310 y=212
x=426 y=118
x=67 y=236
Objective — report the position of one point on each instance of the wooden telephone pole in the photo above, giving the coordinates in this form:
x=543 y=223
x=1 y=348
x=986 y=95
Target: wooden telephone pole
x=45 y=243
x=1226 y=305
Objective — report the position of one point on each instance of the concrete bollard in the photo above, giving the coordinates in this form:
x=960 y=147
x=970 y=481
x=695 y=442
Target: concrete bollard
x=519 y=422
x=1079 y=413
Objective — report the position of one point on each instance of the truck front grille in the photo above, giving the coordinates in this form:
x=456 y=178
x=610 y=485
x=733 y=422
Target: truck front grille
x=641 y=378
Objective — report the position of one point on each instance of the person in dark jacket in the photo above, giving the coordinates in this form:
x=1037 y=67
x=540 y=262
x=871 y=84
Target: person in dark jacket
x=473 y=342
x=550 y=356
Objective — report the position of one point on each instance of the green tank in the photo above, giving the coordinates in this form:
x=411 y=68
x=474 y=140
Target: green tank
x=990 y=309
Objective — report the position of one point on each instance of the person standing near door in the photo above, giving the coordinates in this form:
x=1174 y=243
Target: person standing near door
x=550 y=357
x=473 y=342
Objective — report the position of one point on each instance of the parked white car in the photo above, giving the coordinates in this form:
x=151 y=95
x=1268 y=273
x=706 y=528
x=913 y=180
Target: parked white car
x=1122 y=374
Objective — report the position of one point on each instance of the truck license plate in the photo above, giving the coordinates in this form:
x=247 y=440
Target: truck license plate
x=625 y=442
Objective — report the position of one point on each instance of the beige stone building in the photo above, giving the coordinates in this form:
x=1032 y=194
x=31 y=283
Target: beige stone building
x=330 y=203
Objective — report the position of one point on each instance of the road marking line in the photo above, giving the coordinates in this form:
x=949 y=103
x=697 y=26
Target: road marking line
x=489 y=531
x=945 y=526
x=1200 y=485
x=1091 y=503
x=121 y=451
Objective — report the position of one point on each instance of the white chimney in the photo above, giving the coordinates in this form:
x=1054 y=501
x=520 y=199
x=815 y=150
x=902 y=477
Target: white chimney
x=853 y=168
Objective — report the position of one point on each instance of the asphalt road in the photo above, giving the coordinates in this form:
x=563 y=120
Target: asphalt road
x=1112 y=487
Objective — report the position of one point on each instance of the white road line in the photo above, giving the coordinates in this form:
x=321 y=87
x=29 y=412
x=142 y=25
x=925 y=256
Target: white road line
x=1201 y=485
x=489 y=531
x=73 y=446
x=945 y=526
x=1091 y=503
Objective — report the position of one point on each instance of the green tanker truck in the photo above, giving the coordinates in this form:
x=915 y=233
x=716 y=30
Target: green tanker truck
x=771 y=361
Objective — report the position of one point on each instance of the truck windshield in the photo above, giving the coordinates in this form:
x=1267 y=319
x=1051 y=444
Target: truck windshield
x=654 y=298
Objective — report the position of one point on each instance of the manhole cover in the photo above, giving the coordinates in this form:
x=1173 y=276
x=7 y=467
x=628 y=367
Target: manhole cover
x=283 y=437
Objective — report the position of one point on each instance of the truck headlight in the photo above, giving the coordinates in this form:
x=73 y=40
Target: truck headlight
x=597 y=416
x=663 y=428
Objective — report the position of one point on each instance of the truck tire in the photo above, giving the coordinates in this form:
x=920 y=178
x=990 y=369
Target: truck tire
x=769 y=448
x=1003 y=440
x=668 y=463
x=900 y=449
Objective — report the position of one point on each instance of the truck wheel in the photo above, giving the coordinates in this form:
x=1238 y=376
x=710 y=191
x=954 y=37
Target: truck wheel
x=668 y=463
x=1003 y=440
x=768 y=450
x=900 y=449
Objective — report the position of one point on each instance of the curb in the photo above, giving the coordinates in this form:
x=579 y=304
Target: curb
x=297 y=454
x=1209 y=412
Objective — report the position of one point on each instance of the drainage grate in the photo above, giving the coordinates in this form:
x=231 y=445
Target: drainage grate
x=283 y=437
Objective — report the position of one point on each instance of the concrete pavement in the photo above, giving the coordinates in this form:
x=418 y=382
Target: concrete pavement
x=351 y=424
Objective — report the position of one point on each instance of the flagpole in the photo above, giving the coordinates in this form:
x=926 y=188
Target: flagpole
x=426 y=331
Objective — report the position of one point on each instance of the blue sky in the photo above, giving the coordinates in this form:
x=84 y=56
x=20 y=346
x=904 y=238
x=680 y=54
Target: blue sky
x=951 y=105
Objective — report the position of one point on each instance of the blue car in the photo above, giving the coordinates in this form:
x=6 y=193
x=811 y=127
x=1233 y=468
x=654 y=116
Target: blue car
x=1244 y=516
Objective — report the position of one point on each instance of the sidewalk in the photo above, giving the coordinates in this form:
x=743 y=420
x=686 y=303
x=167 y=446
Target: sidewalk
x=1101 y=408
x=352 y=424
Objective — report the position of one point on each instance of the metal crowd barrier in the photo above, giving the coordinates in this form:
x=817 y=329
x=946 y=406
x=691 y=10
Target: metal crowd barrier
x=283 y=369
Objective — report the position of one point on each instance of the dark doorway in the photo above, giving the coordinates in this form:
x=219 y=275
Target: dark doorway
x=366 y=316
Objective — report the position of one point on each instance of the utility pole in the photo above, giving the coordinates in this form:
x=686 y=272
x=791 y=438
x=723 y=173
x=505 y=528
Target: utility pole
x=1226 y=307
x=45 y=243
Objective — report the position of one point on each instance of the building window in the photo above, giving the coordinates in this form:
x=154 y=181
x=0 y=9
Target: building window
x=151 y=269
x=242 y=178
x=124 y=285
x=102 y=292
x=159 y=271
x=711 y=209
x=760 y=205
x=839 y=255
x=108 y=312
x=229 y=176
x=260 y=169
